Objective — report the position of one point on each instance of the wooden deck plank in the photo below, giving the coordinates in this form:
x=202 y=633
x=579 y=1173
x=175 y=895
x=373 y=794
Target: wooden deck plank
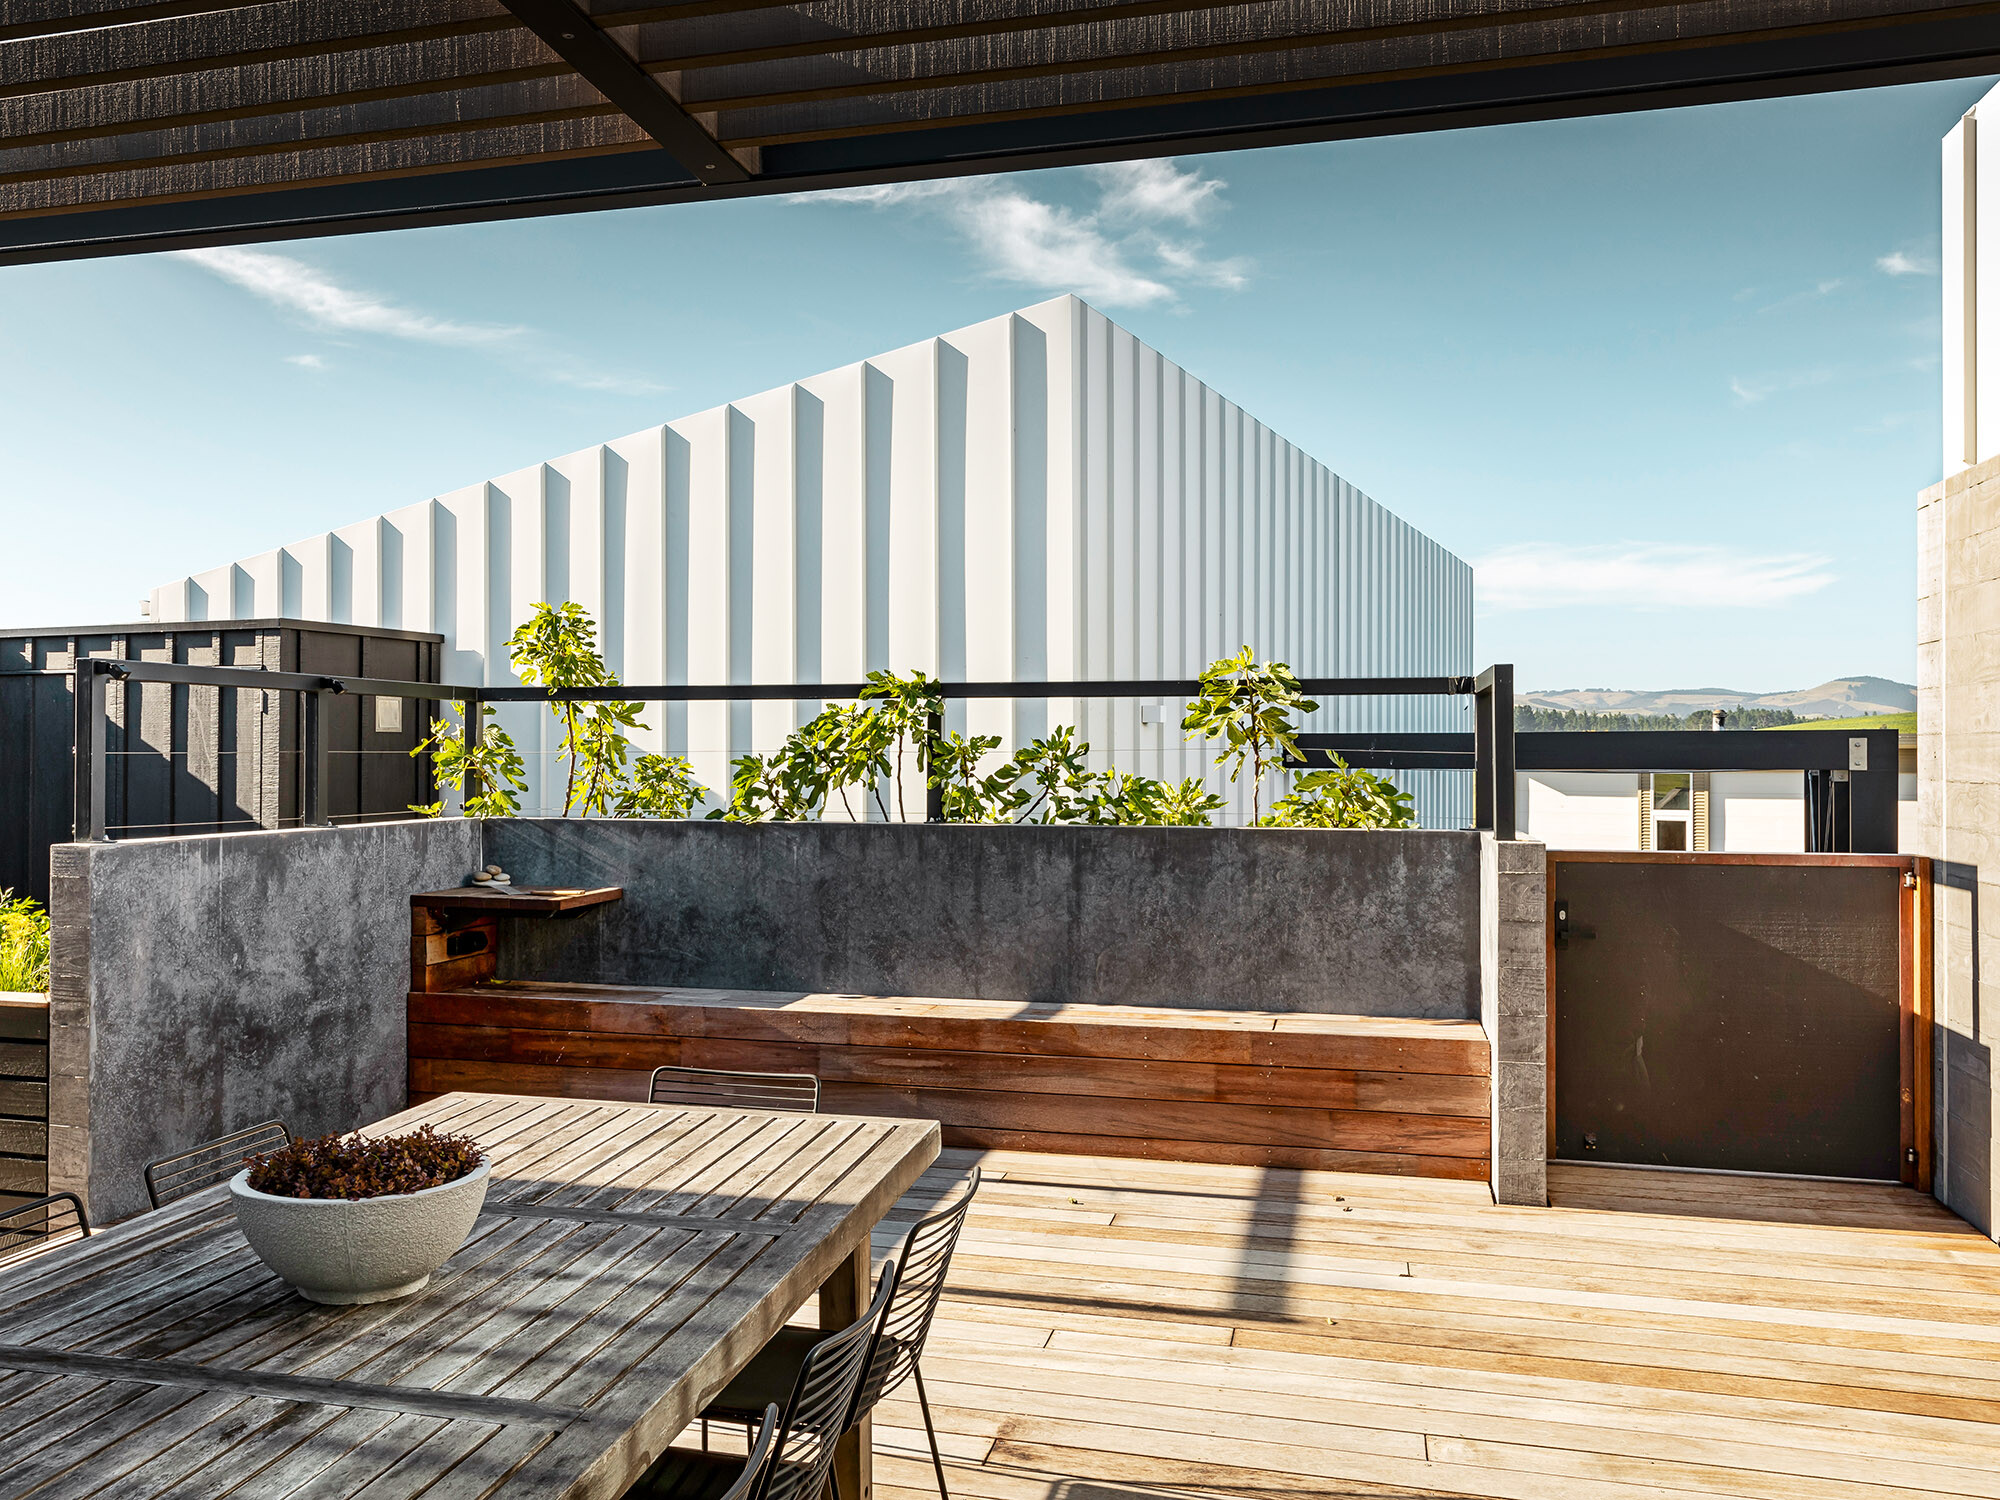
x=1229 y=1327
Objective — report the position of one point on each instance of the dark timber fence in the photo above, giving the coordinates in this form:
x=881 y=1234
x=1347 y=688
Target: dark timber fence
x=186 y=758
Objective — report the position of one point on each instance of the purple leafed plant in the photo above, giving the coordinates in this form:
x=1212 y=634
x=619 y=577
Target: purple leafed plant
x=358 y=1166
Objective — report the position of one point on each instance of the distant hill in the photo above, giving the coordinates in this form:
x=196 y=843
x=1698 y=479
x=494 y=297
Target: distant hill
x=1844 y=697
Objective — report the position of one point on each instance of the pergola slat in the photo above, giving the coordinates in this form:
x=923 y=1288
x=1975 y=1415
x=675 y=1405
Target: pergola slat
x=1246 y=37
x=26 y=18
x=240 y=37
x=537 y=101
x=127 y=126
x=509 y=145
x=963 y=104
x=446 y=65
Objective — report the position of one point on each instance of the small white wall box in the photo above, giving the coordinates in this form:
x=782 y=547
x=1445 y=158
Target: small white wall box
x=1152 y=713
x=388 y=715
x=1857 y=754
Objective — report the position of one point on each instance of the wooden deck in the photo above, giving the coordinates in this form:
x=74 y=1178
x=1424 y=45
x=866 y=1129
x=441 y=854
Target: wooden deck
x=1118 y=1329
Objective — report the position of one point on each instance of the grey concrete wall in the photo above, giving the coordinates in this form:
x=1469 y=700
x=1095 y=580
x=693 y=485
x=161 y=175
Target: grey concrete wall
x=202 y=984
x=1513 y=1008
x=1366 y=923
x=1958 y=818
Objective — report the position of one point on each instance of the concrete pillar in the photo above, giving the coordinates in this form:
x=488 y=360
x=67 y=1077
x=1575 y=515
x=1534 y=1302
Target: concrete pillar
x=1958 y=814
x=1514 y=1009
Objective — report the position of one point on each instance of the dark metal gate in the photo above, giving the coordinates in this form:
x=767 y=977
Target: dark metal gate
x=1735 y=1012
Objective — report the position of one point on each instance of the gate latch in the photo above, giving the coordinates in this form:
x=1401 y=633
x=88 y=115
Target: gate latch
x=1564 y=930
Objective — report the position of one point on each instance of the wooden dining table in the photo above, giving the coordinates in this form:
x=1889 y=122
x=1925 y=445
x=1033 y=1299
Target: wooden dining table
x=630 y=1259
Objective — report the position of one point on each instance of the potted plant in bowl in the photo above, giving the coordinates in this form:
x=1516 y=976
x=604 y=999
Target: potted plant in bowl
x=353 y=1218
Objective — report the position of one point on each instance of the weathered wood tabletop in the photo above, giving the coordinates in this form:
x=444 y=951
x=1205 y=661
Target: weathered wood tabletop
x=630 y=1259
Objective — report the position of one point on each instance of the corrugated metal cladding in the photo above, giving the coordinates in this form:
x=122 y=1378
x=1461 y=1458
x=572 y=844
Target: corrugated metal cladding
x=1039 y=496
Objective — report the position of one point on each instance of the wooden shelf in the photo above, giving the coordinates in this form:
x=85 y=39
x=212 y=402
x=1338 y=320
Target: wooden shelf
x=518 y=900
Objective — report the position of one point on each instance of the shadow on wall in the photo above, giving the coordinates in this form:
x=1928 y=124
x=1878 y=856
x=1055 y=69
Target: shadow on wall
x=1962 y=1083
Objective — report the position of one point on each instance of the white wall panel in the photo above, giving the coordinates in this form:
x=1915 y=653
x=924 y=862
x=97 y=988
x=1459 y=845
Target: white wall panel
x=1037 y=496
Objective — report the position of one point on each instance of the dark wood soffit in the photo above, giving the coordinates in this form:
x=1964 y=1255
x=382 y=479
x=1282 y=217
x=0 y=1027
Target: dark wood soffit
x=1849 y=53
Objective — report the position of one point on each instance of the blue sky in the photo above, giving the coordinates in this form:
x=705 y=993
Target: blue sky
x=1670 y=380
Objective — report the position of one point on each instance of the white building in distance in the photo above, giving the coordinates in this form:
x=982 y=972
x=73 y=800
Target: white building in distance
x=1036 y=497
x=1971 y=349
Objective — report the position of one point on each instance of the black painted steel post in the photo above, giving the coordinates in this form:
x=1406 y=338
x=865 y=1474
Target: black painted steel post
x=90 y=693
x=312 y=722
x=1504 y=826
x=1482 y=753
x=933 y=792
x=475 y=736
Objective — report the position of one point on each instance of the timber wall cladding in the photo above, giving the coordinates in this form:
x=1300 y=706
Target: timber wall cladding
x=1257 y=1088
x=24 y=1099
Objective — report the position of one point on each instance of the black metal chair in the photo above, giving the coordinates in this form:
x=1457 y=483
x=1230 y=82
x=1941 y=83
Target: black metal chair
x=173 y=1177
x=41 y=1225
x=715 y=1088
x=815 y=1419
x=921 y=1262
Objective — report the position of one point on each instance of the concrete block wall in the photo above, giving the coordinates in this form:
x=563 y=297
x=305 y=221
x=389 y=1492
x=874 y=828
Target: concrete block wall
x=1513 y=1009
x=202 y=984
x=1958 y=816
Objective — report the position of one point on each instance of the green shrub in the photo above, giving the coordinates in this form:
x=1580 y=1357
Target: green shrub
x=24 y=944
x=357 y=1166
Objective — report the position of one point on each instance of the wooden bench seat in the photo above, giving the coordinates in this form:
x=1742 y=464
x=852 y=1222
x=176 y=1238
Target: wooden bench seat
x=1350 y=1093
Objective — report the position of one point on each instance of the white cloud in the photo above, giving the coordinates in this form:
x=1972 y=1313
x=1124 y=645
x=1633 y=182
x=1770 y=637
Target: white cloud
x=1187 y=260
x=1644 y=575
x=306 y=361
x=1102 y=255
x=1155 y=189
x=1749 y=390
x=616 y=385
x=1905 y=263
x=318 y=298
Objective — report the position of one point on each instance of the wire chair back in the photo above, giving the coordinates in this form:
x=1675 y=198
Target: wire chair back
x=923 y=1260
x=41 y=1225
x=172 y=1178
x=714 y=1088
x=759 y=1461
x=816 y=1416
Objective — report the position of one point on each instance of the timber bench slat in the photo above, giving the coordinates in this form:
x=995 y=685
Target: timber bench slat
x=1352 y=1093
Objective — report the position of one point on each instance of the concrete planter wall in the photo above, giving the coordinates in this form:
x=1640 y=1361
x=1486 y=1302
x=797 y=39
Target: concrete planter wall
x=1360 y=923
x=201 y=984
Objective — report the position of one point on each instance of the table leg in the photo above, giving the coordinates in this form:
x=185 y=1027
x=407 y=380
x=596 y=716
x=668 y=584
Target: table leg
x=843 y=1297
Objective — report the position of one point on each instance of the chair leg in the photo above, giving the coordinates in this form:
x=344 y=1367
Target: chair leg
x=930 y=1431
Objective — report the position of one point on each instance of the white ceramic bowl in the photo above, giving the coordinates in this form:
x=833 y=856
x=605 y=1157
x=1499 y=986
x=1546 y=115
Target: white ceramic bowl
x=345 y=1250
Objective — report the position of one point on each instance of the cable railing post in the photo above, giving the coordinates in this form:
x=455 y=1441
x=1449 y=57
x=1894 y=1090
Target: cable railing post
x=90 y=692
x=1504 y=787
x=312 y=718
x=475 y=735
x=1482 y=752
x=934 y=790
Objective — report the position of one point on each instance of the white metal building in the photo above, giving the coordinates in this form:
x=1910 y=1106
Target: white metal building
x=1036 y=497
x=1971 y=246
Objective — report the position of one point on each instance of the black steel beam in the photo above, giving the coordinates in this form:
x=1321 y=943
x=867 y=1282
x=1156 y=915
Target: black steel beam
x=1616 y=750
x=606 y=67
x=744 y=692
